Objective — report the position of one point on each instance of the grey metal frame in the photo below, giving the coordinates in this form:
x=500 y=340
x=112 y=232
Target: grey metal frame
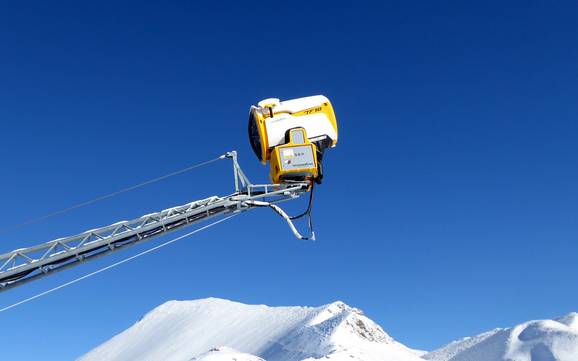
x=26 y=264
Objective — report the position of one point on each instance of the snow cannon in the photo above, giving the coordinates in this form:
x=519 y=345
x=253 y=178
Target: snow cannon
x=293 y=135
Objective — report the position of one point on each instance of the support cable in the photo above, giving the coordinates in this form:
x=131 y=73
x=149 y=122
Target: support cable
x=26 y=300
x=107 y=196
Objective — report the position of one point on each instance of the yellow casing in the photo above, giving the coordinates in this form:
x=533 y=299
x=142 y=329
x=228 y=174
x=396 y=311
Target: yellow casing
x=278 y=174
x=260 y=121
x=260 y=114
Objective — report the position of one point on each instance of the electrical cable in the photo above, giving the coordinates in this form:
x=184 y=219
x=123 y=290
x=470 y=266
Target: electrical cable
x=308 y=213
x=309 y=206
x=286 y=217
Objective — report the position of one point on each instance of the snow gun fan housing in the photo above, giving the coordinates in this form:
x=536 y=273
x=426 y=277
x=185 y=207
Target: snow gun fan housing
x=293 y=135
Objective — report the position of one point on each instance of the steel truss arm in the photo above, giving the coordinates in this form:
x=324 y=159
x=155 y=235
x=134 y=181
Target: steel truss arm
x=26 y=264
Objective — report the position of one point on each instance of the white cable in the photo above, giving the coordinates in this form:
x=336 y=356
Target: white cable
x=106 y=196
x=285 y=216
x=115 y=264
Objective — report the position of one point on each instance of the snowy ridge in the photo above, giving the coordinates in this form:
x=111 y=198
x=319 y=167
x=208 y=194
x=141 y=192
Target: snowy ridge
x=187 y=330
x=225 y=354
x=456 y=347
x=542 y=340
x=220 y=330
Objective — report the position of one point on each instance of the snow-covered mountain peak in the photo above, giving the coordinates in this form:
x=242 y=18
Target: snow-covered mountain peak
x=544 y=340
x=570 y=320
x=338 y=318
x=459 y=346
x=220 y=330
x=329 y=311
x=540 y=340
x=181 y=330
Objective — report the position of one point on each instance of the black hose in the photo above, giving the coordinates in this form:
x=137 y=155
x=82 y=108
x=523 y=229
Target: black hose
x=309 y=206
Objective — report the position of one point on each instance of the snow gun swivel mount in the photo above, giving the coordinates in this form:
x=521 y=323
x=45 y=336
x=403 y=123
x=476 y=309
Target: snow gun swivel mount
x=291 y=135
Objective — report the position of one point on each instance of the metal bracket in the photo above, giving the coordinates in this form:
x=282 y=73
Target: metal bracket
x=238 y=173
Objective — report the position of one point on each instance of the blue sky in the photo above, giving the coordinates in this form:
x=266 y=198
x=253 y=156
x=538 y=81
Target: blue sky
x=450 y=206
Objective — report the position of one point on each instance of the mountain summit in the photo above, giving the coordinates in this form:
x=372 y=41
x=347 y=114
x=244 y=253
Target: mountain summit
x=542 y=340
x=219 y=330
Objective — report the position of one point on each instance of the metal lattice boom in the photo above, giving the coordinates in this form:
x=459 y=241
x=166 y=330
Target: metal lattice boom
x=26 y=264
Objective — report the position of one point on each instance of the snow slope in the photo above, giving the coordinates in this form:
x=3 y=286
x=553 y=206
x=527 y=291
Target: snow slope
x=188 y=330
x=225 y=354
x=543 y=340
